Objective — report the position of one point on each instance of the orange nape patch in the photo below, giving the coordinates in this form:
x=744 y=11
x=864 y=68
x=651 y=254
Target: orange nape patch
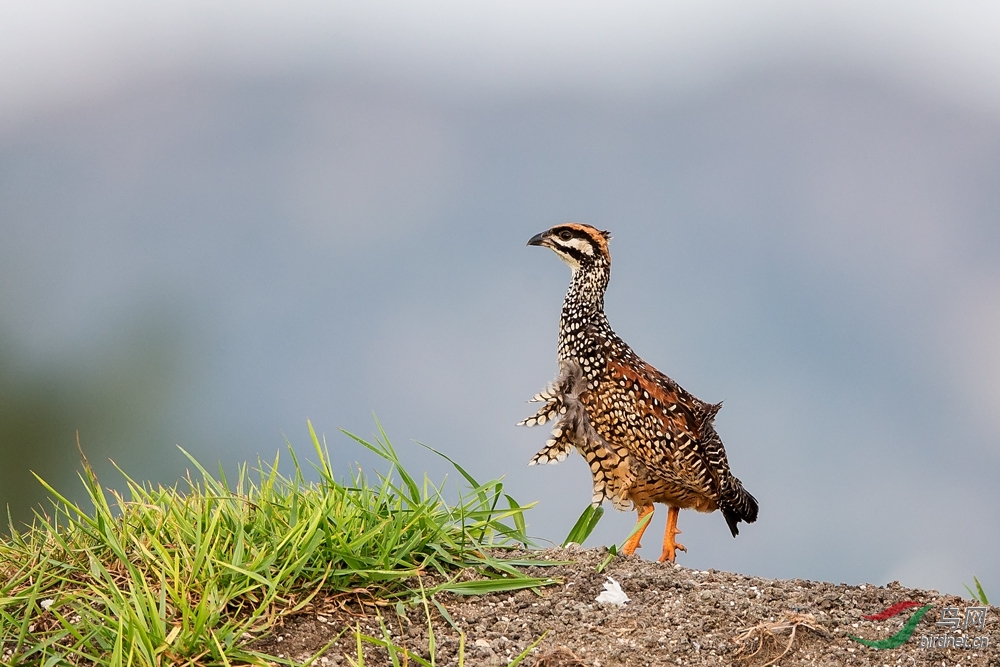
x=600 y=238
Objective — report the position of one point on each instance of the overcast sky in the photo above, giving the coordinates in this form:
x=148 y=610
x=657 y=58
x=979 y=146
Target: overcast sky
x=251 y=214
x=52 y=51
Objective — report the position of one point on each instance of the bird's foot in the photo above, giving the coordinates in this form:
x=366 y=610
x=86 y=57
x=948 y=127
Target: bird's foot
x=670 y=550
x=670 y=545
x=630 y=546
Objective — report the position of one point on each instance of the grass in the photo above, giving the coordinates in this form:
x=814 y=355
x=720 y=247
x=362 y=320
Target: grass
x=195 y=573
x=979 y=594
x=584 y=526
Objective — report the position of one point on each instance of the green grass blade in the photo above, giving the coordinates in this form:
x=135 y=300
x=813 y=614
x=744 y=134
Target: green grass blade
x=486 y=586
x=584 y=526
x=979 y=594
x=640 y=525
x=462 y=471
x=612 y=552
x=524 y=654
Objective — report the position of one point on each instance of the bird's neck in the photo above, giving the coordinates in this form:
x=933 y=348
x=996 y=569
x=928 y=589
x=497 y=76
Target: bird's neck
x=583 y=307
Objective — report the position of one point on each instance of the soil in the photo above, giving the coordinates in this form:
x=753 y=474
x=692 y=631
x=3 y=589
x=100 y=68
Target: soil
x=675 y=616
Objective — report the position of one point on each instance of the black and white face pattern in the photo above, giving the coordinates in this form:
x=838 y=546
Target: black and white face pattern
x=576 y=244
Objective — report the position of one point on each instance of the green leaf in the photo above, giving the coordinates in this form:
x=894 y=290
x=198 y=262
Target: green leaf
x=979 y=593
x=445 y=615
x=531 y=562
x=518 y=518
x=639 y=526
x=612 y=552
x=486 y=586
x=468 y=478
x=524 y=654
x=584 y=526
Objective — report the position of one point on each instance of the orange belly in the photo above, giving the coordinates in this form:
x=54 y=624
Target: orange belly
x=646 y=492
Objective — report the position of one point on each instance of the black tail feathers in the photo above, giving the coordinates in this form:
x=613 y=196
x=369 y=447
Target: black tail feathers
x=738 y=505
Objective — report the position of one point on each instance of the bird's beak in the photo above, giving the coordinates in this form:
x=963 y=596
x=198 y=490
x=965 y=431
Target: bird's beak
x=537 y=239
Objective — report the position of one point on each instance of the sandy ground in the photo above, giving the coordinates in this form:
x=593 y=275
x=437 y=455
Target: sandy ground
x=675 y=615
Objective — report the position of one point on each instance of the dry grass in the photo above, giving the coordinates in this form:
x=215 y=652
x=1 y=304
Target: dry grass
x=559 y=657
x=761 y=642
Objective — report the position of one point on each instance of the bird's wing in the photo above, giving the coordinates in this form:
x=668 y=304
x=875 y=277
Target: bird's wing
x=659 y=422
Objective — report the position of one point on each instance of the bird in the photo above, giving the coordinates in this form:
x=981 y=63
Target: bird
x=645 y=438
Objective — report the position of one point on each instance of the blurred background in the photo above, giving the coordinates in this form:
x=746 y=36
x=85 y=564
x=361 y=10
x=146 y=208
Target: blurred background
x=219 y=220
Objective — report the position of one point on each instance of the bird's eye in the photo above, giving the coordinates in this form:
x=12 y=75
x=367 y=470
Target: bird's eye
x=565 y=235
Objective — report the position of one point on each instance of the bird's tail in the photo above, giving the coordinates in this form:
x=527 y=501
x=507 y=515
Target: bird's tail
x=737 y=505
x=735 y=502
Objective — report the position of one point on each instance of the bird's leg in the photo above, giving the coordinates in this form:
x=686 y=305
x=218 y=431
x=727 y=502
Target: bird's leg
x=669 y=544
x=633 y=543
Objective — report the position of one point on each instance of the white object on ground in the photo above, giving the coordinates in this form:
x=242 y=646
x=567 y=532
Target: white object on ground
x=612 y=594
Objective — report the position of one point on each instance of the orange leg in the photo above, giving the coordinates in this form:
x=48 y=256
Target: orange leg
x=669 y=544
x=633 y=542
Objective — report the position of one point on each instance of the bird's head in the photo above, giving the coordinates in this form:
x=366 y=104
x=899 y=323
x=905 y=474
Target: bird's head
x=578 y=245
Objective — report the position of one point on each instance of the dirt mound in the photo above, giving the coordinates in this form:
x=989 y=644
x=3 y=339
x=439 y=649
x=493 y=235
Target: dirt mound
x=675 y=615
